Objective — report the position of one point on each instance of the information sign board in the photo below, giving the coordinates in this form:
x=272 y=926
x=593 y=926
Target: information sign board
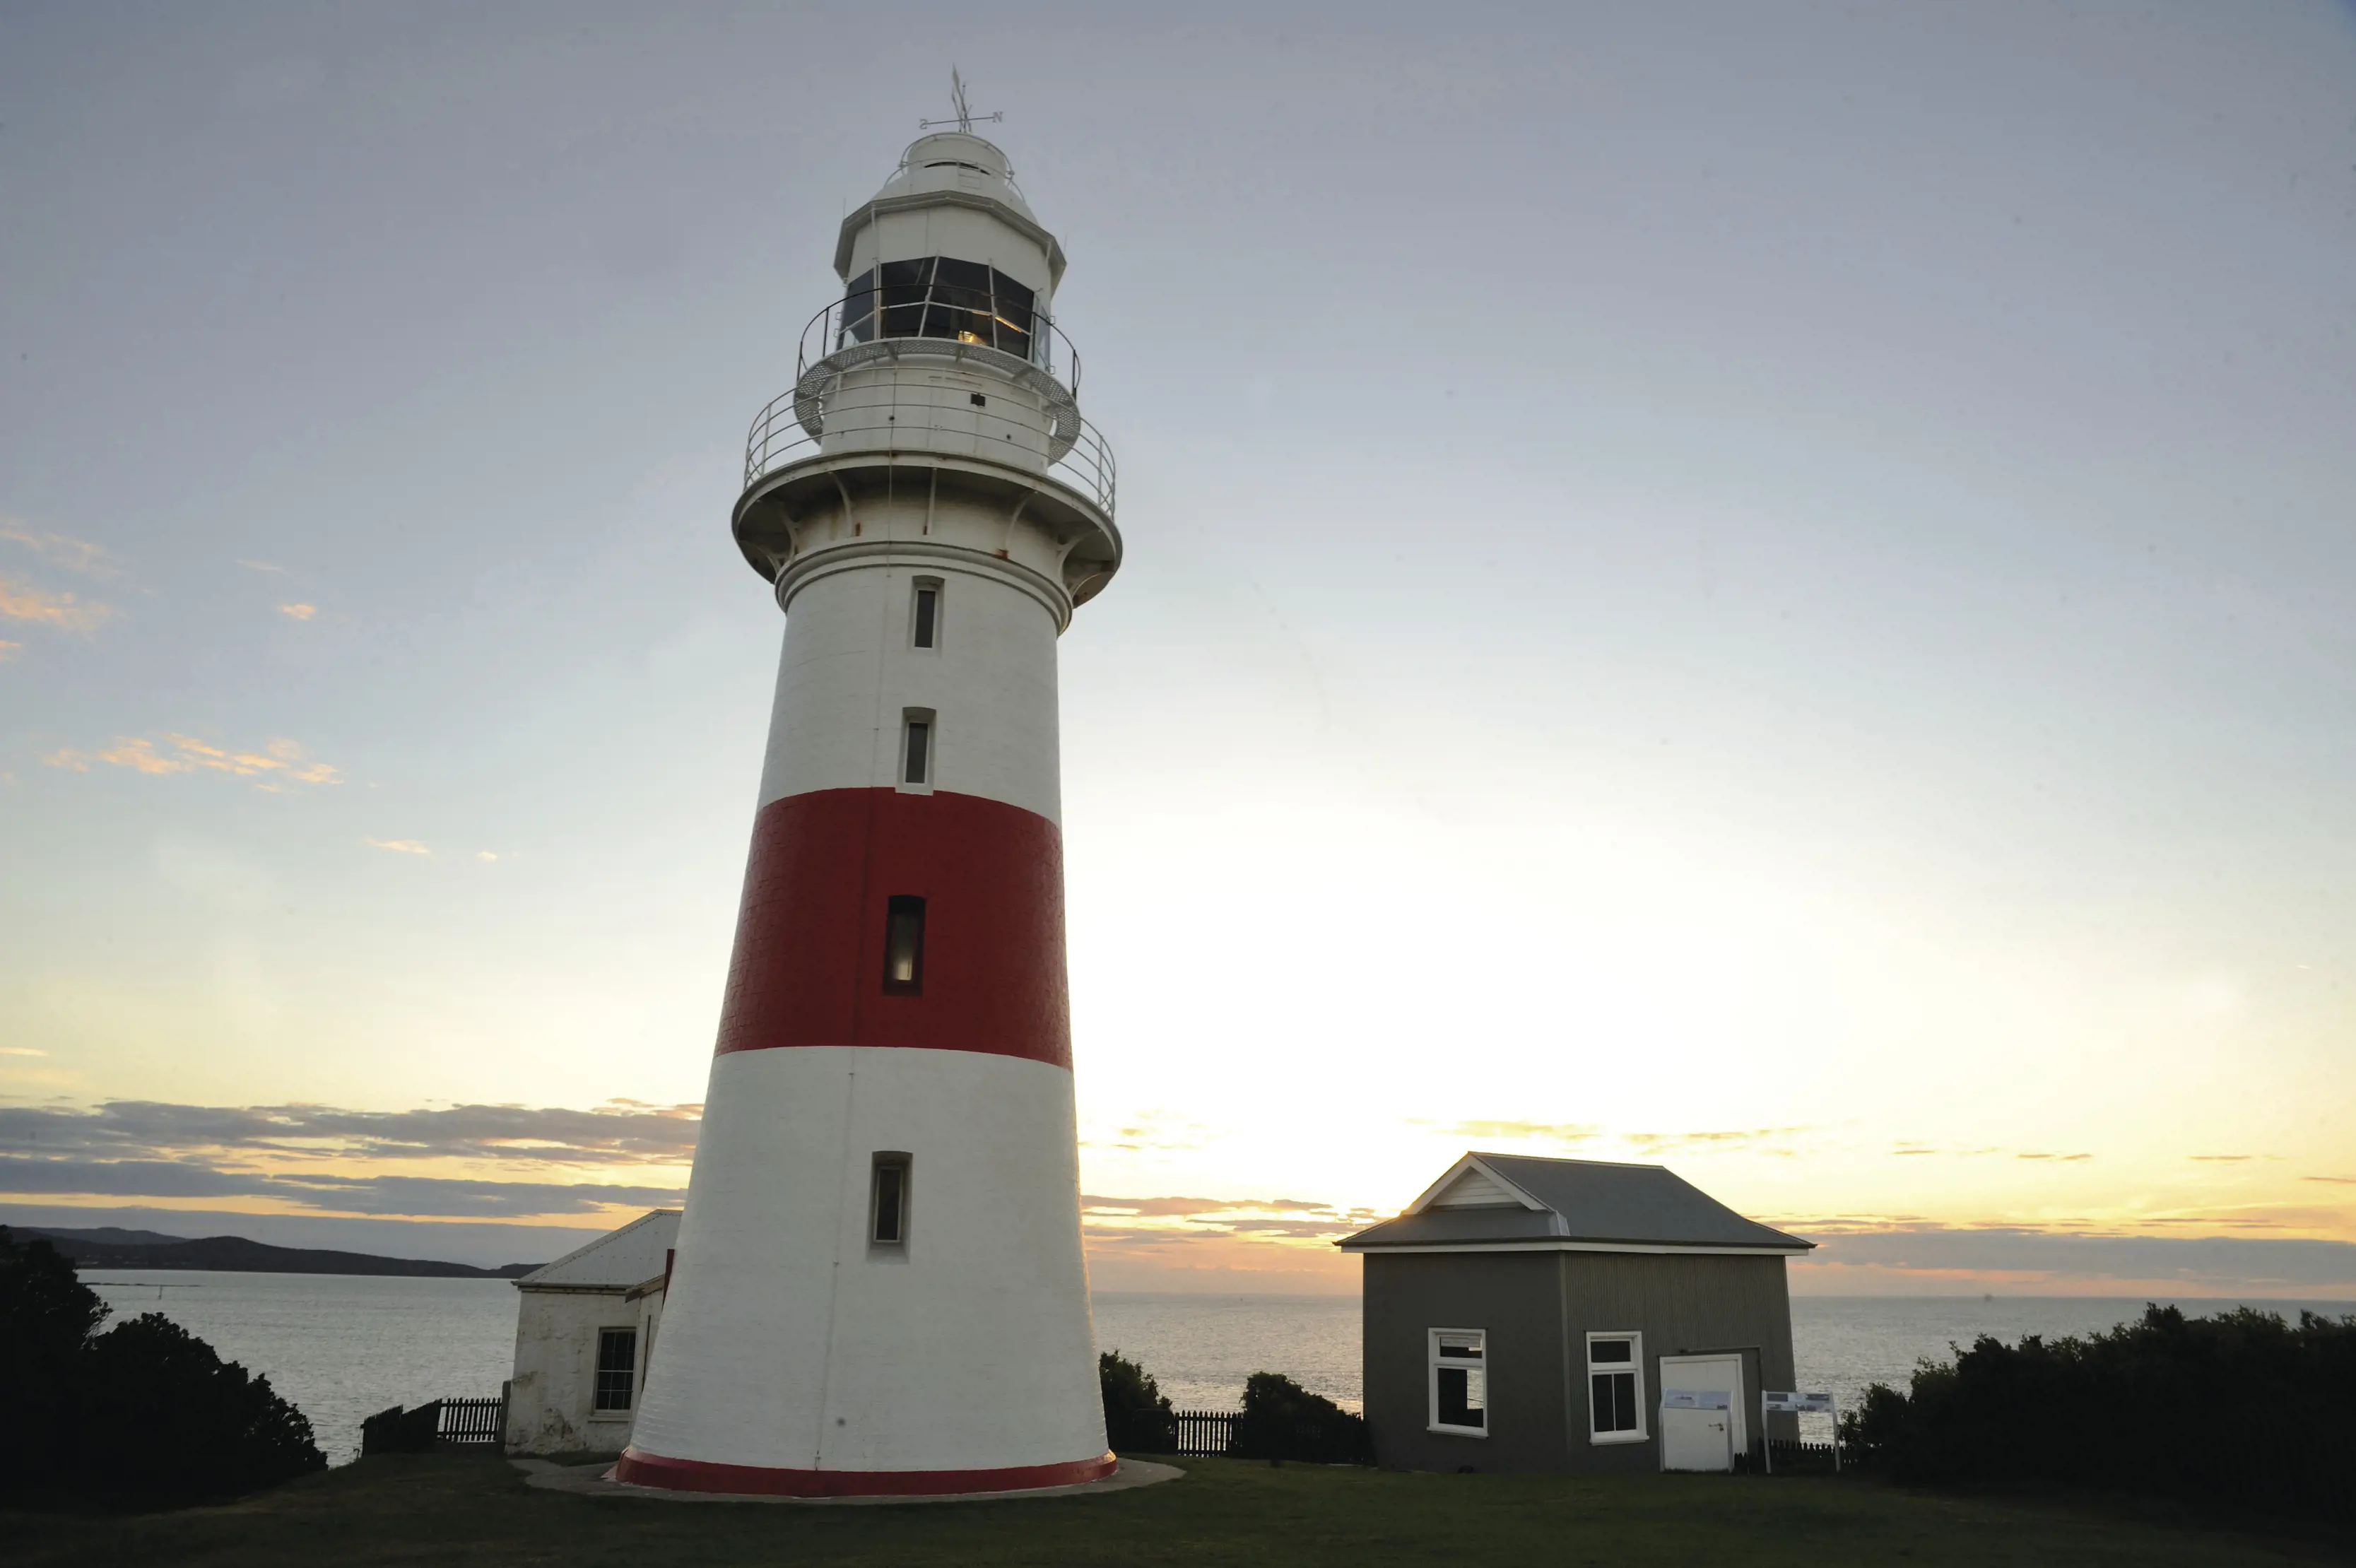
x=1796 y=1403
x=1695 y=1398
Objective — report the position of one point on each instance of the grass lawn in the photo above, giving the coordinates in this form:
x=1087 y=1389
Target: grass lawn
x=449 y=1508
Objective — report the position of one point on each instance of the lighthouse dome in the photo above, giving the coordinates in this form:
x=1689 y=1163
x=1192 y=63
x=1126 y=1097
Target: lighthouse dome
x=953 y=195
x=955 y=160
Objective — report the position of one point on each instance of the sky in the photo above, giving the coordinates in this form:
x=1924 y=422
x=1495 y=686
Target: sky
x=1766 y=589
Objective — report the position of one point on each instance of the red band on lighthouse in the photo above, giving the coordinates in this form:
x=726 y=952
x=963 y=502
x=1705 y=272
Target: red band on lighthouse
x=808 y=965
x=697 y=1476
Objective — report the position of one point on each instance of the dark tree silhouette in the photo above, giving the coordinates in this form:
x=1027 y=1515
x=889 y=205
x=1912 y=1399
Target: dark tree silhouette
x=1137 y=1416
x=143 y=1413
x=2241 y=1411
x=1281 y=1420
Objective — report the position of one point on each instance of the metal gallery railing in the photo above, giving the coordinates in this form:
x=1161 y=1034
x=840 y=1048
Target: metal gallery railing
x=821 y=415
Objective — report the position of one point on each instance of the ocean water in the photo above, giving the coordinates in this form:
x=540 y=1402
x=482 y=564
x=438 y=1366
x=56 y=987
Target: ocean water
x=342 y=1347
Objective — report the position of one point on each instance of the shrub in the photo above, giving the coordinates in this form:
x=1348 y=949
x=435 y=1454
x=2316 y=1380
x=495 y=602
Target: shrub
x=145 y=1412
x=2240 y=1410
x=1137 y=1416
x=1281 y=1420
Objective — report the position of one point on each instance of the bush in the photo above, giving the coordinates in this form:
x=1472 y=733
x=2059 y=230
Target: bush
x=145 y=1412
x=1281 y=1420
x=1137 y=1416
x=2242 y=1410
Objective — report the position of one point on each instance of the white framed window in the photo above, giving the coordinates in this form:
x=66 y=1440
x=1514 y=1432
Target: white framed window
x=925 y=614
x=1460 y=1380
x=617 y=1368
x=1615 y=1387
x=919 y=749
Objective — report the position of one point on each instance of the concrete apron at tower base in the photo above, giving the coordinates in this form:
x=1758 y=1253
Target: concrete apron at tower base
x=796 y=1356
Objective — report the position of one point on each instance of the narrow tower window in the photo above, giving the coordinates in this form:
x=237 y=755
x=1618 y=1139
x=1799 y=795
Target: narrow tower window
x=904 y=946
x=887 y=1208
x=917 y=753
x=928 y=614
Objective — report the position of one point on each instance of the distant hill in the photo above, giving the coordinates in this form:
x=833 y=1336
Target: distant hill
x=110 y=1247
x=106 y=1235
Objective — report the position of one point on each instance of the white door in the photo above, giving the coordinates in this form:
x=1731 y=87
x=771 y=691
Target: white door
x=1696 y=1439
x=1713 y=1374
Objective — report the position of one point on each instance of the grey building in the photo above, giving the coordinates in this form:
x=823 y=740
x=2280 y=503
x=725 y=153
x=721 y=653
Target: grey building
x=1532 y=1315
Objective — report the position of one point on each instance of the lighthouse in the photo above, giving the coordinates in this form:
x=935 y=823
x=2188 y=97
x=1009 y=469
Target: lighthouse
x=878 y=1286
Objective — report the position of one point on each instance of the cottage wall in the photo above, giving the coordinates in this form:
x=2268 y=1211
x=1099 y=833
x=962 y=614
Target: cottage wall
x=1684 y=1304
x=556 y=1371
x=1537 y=1307
x=1515 y=1298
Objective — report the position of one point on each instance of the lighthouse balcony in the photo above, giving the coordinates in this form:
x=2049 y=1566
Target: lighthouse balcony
x=881 y=381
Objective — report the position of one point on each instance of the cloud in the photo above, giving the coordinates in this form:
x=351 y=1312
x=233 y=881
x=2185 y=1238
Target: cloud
x=1149 y=1223
x=1153 y=1131
x=1643 y=1143
x=21 y=601
x=398 y=845
x=1553 y=1132
x=1664 y=1143
x=305 y=1156
x=9 y=650
x=484 y=854
x=2065 y=1157
x=421 y=1196
x=2335 y=1180
x=261 y=566
x=74 y=555
x=622 y=1133
x=2220 y=1158
x=279 y=763
x=20 y=1050
x=2019 y=1256
x=299 y=611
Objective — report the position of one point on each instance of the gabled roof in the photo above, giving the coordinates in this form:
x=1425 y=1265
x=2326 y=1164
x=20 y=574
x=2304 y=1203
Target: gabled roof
x=615 y=1260
x=1495 y=1202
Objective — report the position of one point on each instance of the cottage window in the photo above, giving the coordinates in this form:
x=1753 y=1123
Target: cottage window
x=617 y=1366
x=1615 y=1387
x=888 y=1201
x=1460 y=1380
x=904 y=946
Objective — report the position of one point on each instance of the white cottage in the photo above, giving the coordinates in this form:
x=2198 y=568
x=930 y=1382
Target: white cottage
x=584 y=1333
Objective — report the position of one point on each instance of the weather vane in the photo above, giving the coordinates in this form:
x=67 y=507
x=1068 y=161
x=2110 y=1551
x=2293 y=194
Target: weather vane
x=964 y=116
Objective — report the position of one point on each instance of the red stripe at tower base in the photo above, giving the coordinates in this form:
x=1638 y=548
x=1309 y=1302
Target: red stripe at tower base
x=641 y=1469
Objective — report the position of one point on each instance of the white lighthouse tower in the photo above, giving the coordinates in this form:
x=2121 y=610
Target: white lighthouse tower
x=878 y=1286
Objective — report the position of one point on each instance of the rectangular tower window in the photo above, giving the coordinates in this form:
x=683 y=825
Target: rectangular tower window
x=904 y=946
x=887 y=1208
x=918 y=760
x=618 y=1364
x=929 y=615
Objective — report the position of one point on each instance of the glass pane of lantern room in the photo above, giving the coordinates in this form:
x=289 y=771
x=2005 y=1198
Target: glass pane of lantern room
x=859 y=309
x=904 y=285
x=960 y=302
x=1012 y=304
